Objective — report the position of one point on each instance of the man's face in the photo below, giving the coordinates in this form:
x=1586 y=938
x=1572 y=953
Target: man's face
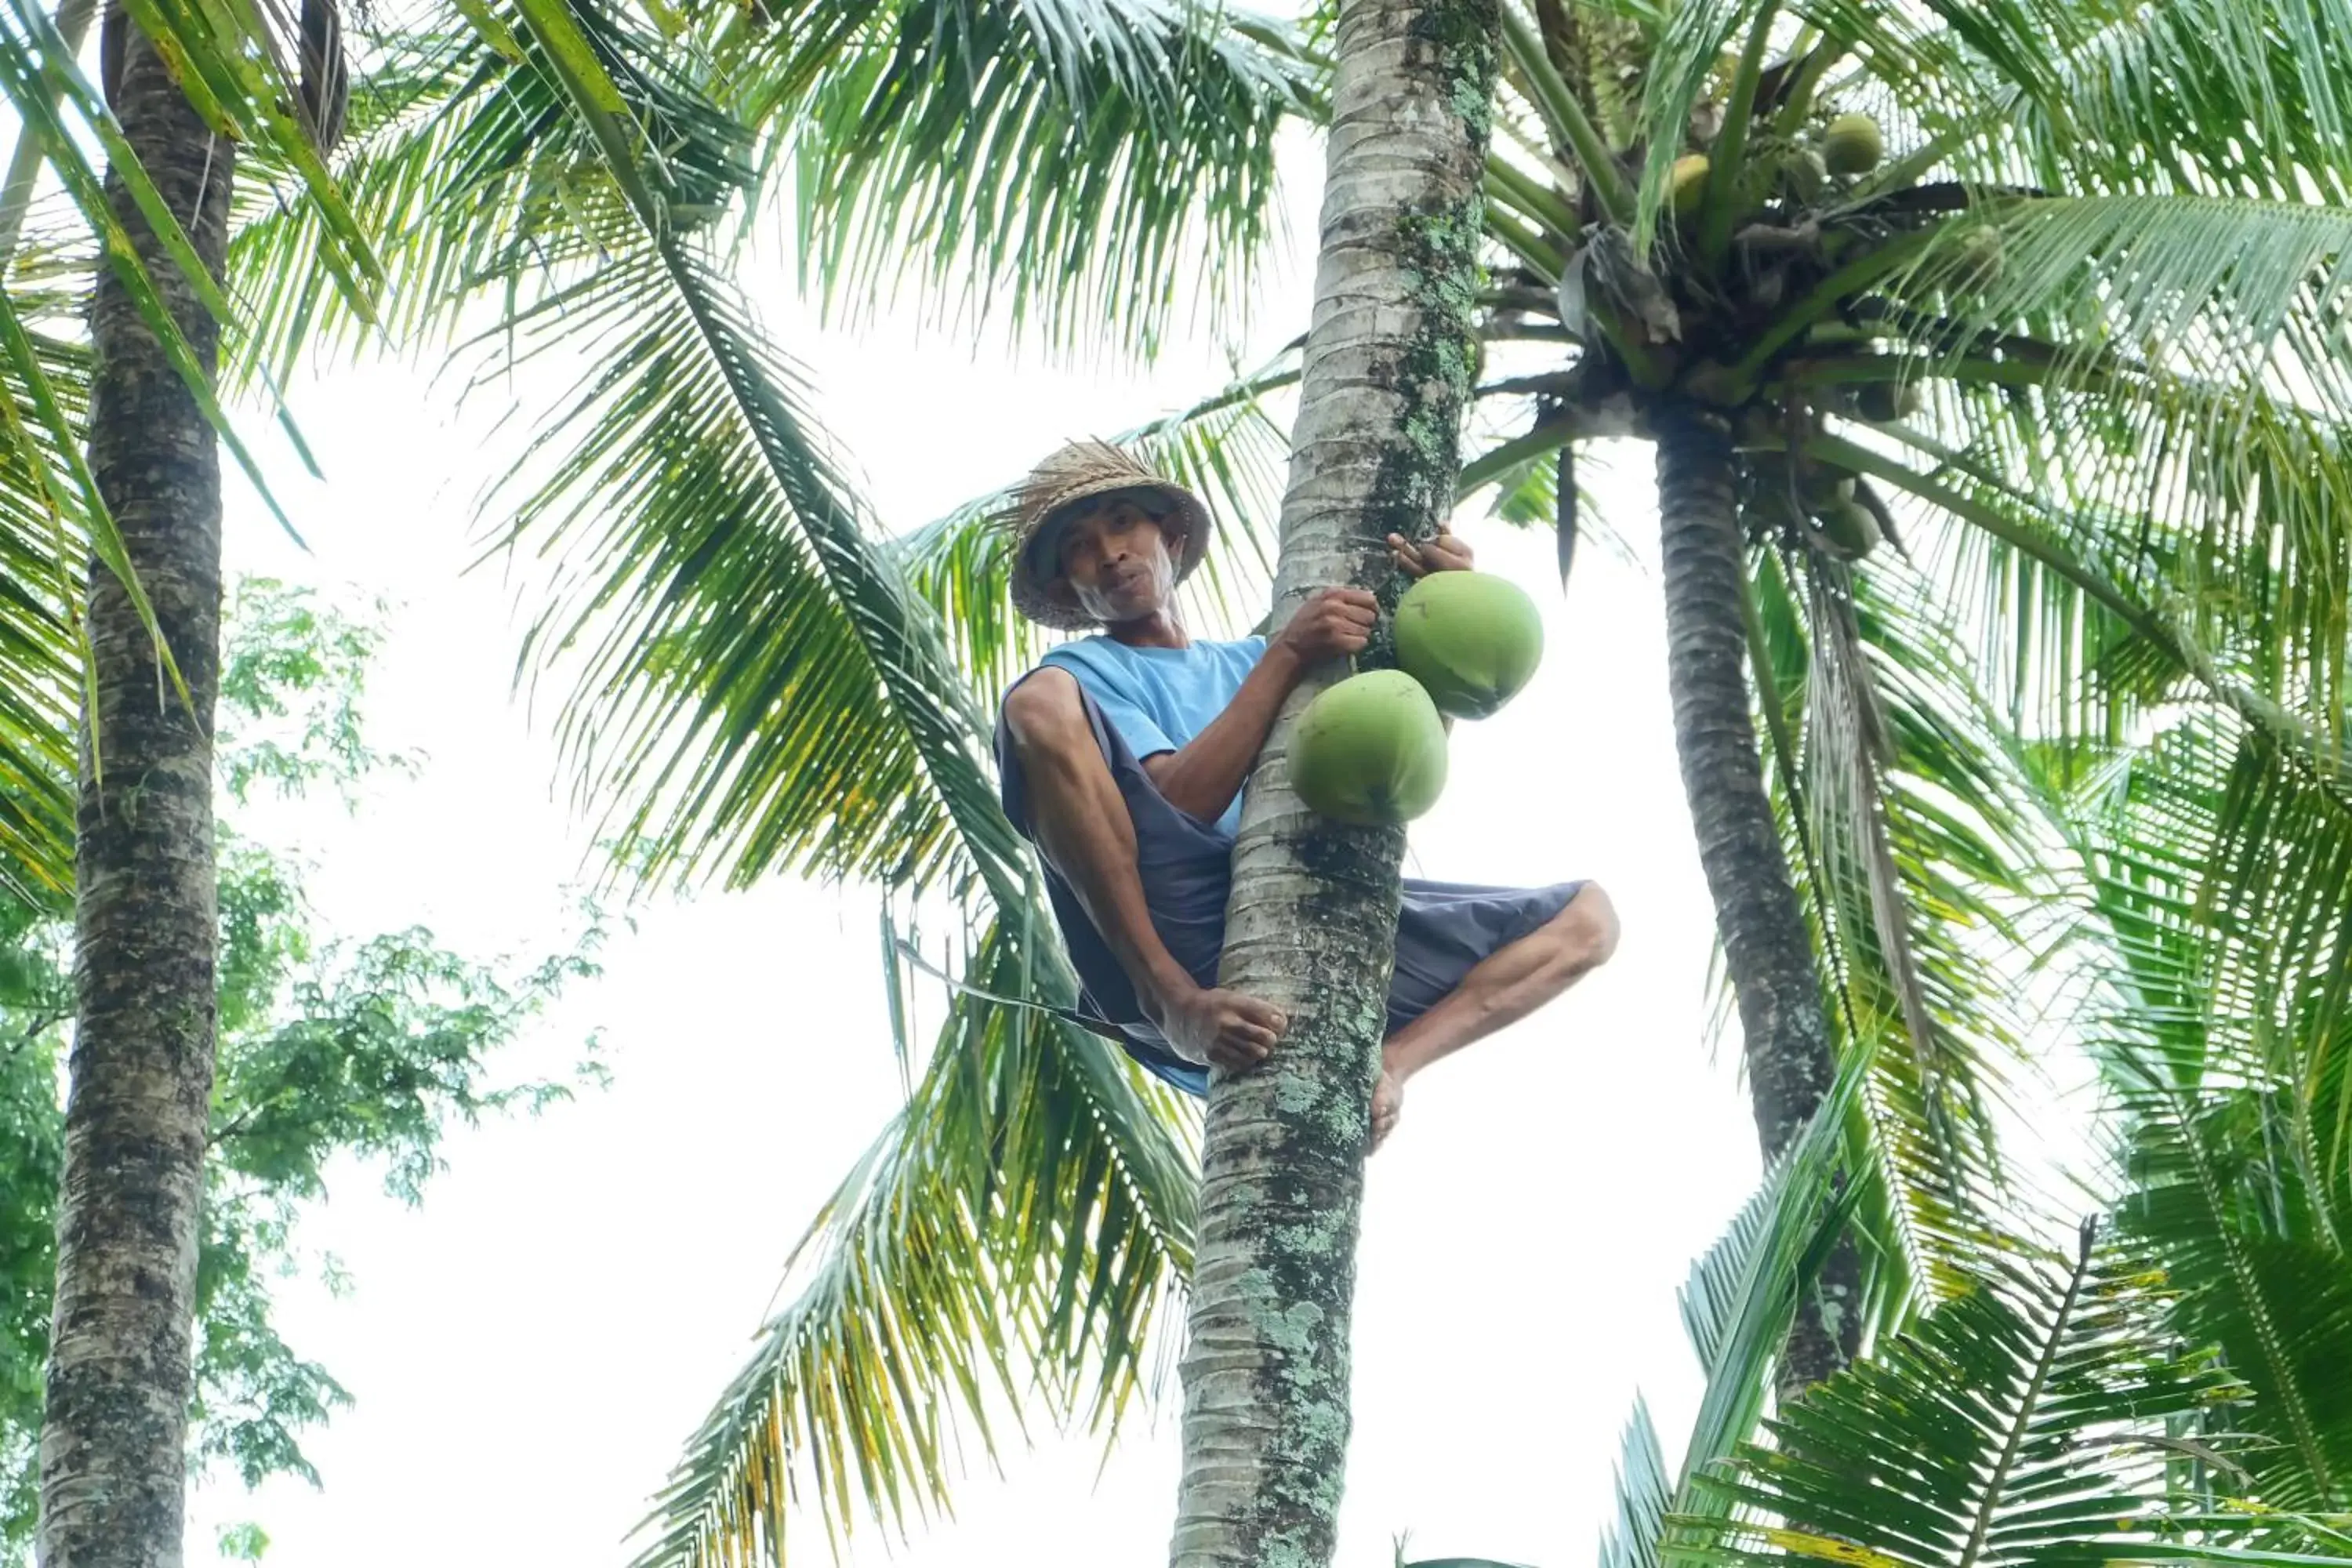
x=1117 y=560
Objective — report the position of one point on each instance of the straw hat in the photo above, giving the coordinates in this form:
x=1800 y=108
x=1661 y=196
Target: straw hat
x=1045 y=500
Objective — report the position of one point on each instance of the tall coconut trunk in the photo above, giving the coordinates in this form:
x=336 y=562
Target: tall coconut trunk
x=120 y=1373
x=1766 y=947
x=1312 y=922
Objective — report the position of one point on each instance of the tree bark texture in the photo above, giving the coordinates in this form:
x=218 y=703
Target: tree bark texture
x=112 y=1454
x=1767 y=949
x=1311 y=926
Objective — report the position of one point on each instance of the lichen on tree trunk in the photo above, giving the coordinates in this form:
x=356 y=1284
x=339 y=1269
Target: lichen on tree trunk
x=1312 y=922
x=1766 y=947
x=112 y=1459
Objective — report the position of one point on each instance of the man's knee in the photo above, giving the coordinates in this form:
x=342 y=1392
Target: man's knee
x=1587 y=929
x=1045 y=716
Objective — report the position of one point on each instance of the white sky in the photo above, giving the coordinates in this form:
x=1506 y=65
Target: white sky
x=531 y=1349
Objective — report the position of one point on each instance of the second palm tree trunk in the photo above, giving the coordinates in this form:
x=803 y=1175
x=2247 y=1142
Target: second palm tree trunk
x=113 y=1462
x=1312 y=922
x=1767 y=949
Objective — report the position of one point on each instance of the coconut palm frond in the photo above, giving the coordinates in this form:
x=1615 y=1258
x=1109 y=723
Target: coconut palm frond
x=1752 y=1278
x=2213 y=502
x=1643 y=1494
x=489 y=191
x=1688 y=58
x=2211 y=950
x=1921 y=868
x=456 y=159
x=41 y=556
x=1084 y=167
x=2084 y=638
x=2203 y=96
x=1915 y=866
x=1011 y=1242
x=223 y=59
x=2193 y=285
x=2027 y=1420
x=2209 y=95
x=755 y=687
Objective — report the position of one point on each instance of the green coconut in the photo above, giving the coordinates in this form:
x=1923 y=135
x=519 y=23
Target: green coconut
x=1471 y=638
x=1687 y=184
x=1369 y=750
x=1851 y=145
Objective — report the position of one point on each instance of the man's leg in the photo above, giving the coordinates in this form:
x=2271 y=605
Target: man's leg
x=1082 y=828
x=1508 y=985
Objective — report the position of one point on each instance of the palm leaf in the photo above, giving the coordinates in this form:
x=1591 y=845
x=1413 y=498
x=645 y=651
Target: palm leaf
x=1688 y=56
x=2103 y=94
x=1014 y=1237
x=1643 y=1494
x=1998 y=1430
x=37 y=76
x=756 y=689
x=2214 y=941
x=1084 y=166
x=40 y=644
x=1894 y=785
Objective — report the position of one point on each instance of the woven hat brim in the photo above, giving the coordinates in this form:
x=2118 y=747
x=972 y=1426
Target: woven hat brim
x=1032 y=592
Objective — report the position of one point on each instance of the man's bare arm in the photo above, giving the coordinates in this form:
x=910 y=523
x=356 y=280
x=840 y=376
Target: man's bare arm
x=1203 y=776
x=1085 y=833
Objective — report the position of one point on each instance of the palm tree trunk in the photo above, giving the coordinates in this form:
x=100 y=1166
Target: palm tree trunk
x=1766 y=946
x=121 y=1370
x=1312 y=922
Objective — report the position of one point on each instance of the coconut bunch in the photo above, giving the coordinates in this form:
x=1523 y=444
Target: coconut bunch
x=1802 y=210
x=1371 y=750
x=1800 y=268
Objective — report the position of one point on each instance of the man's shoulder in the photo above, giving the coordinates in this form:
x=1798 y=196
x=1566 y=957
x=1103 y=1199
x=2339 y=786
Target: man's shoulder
x=1096 y=655
x=1107 y=655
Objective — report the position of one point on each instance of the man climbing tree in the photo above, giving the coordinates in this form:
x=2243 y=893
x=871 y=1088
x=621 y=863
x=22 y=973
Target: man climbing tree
x=1123 y=757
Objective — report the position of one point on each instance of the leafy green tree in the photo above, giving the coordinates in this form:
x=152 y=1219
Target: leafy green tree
x=370 y=1050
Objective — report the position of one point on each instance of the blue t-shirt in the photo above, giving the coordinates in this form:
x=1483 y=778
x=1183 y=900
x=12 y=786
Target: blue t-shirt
x=1158 y=698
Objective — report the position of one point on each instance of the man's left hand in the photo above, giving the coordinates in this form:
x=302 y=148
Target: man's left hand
x=1443 y=554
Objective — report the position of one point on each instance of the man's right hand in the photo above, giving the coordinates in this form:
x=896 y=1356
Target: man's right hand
x=1221 y=1028
x=1332 y=624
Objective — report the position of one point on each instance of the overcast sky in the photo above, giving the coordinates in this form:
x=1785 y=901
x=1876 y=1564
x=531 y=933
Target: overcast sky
x=529 y=1350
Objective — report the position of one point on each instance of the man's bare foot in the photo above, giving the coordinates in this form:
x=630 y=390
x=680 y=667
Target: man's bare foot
x=1388 y=1101
x=1221 y=1028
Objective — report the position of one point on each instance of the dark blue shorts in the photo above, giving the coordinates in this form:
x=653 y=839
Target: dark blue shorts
x=1443 y=929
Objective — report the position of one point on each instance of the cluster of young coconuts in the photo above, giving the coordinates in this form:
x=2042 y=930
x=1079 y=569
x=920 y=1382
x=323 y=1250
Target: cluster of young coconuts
x=1849 y=145
x=1800 y=496
x=1370 y=750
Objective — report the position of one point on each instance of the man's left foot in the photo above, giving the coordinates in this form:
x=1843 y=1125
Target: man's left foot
x=1388 y=1100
